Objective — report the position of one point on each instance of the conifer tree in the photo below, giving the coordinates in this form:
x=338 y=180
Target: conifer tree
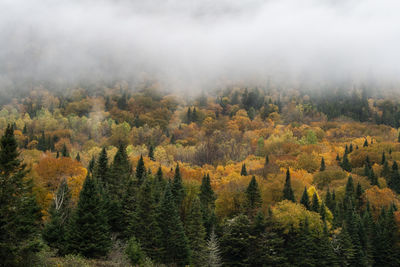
x=173 y=239
x=385 y=171
x=351 y=148
x=78 y=157
x=394 y=182
x=140 y=171
x=128 y=209
x=253 y=196
x=91 y=165
x=195 y=117
x=119 y=173
x=287 y=189
x=345 y=252
x=207 y=199
x=64 y=151
x=372 y=177
x=383 y=158
x=323 y=167
x=54 y=232
x=365 y=143
x=196 y=233
x=144 y=226
x=151 y=153
x=100 y=170
x=88 y=233
x=189 y=115
x=243 y=172
x=177 y=188
x=19 y=213
x=346 y=163
x=159 y=185
x=315 y=203
x=305 y=200
x=349 y=192
x=266 y=160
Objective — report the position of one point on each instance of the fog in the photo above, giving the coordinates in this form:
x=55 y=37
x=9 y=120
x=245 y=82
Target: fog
x=189 y=44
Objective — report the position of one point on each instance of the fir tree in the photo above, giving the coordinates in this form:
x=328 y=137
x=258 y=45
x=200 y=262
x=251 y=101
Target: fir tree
x=19 y=213
x=287 y=189
x=144 y=226
x=315 y=203
x=177 y=188
x=64 y=151
x=243 y=172
x=383 y=160
x=266 y=160
x=253 y=196
x=365 y=143
x=128 y=209
x=351 y=148
x=394 y=182
x=88 y=233
x=305 y=200
x=323 y=167
x=196 y=233
x=151 y=153
x=346 y=163
x=91 y=165
x=140 y=171
x=207 y=199
x=385 y=171
x=175 y=245
x=119 y=173
x=54 y=232
x=195 y=117
x=78 y=157
x=189 y=115
x=100 y=170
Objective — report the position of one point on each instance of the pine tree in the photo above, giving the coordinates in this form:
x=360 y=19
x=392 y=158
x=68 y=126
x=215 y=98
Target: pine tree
x=351 y=148
x=345 y=251
x=195 y=117
x=372 y=177
x=253 y=197
x=88 y=233
x=19 y=213
x=128 y=209
x=305 y=200
x=266 y=160
x=173 y=238
x=189 y=115
x=78 y=157
x=140 y=171
x=349 y=192
x=323 y=167
x=54 y=232
x=383 y=158
x=243 y=172
x=159 y=185
x=119 y=173
x=196 y=233
x=91 y=165
x=287 y=190
x=386 y=171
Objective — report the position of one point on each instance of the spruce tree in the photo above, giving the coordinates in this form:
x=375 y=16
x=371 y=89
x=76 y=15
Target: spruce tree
x=151 y=153
x=128 y=209
x=144 y=225
x=119 y=173
x=365 y=143
x=253 y=197
x=88 y=233
x=100 y=170
x=207 y=199
x=394 y=182
x=196 y=233
x=323 y=167
x=173 y=239
x=213 y=254
x=177 y=188
x=315 y=203
x=266 y=160
x=189 y=115
x=140 y=171
x=78 y=157
x=385 y=171
x=19 y=213
x=243 y=172
x=287 y=189
x=305 y=200
x=346 y=163
x=64 y=151
x=383 y=158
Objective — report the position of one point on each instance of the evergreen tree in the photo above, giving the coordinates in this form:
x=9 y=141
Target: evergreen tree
x=385 y=171
x=64 y=151
x=207 y=199
x=88 y=233
x=351 y=148
x=140 y=171
x=287 y=189
x=315 y=203
x=323 y=167
x=144 y=226
x=195 y=117
x=159 y=185
x=243 y=172
x=128 y=209
x=305 y=200
x=177 y=188
x=54 y=232
x=189 y=115
x=235 y=242
x=173 y=238
x=100 y=170
x=253 y=197
x=346 y=163
x=383 y=158
x=266 y=160
x=196 y=233
x=78 y=157
x=19 y=213
x=372 y=177
x=119 y=174
x=365 y=143
x=345 y=251
x=394 y=182
x=91 y=165
x=151 y=153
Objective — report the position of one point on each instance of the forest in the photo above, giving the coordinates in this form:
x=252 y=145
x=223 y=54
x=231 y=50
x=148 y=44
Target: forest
x=122 y=175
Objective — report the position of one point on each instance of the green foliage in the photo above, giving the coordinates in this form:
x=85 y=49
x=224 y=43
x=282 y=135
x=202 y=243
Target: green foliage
x=134 y=252
x=243 y=171
x=88 y=232
x=305 y=200
x=196 y=233
x=322 y=167
x=253 y=197
x=287 y=190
